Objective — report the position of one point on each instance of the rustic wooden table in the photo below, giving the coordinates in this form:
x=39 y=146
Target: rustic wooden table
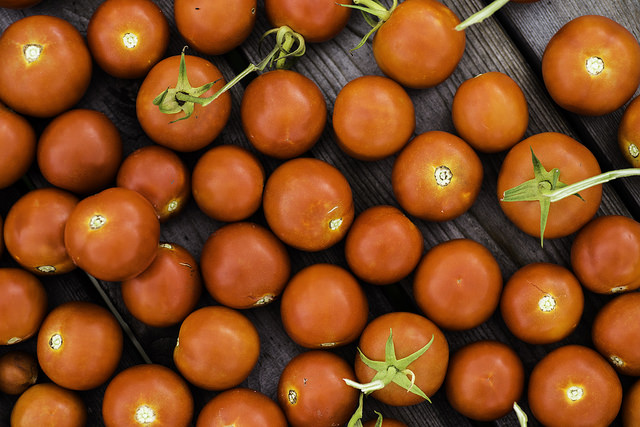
x=512 y=42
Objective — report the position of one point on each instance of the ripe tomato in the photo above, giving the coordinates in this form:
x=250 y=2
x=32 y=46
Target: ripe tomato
x=18 y=145
x=23 y=305
x=214 y=27
x=631 y=405
x=241 y=407
x=80 y=151
x=574 y=385
x=383 y=246
x=127 y=37
x=244 y=265
x=323 y=305
x=49 y=404
x=386 y=422
x=227 y=183
x=373 y=117
x=18 y=371
x=18 y=4
x=34 y=230
x=457 y=284
x=167 y=291
x=437 y=176
x=629 y=133
x=160 y=175
x=283 y=113
x=604 y=254
x=312 y=392
x=484 y=379
x=79 y=345
x=147 y=394
x=308 y=220
x=113 y=235
x=542 y=303
x=490 y=112
x=35 y=48
x=217 y=348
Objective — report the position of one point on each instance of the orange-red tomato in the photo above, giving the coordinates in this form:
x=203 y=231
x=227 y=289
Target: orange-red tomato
x=34 y=50
x=631 y=406
x=23 y=305
x=629 y=133
x=49 y=404
x=18 y=4
x=147 y=394
x=241 y=407
x=18 y=145
x=18 y=371
x=386 y=422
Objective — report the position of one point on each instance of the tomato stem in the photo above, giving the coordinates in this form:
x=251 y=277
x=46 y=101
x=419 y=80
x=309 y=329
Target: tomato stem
x=369 y=8
x=482 y=14
x=576 y=187
x=522 y=416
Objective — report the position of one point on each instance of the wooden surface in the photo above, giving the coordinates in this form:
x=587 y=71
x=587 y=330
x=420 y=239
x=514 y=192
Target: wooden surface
x=512 y=42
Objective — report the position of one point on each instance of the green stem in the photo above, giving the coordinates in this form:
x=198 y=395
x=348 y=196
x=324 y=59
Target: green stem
x=482 y=14
x=375 y=8
x=571 y=189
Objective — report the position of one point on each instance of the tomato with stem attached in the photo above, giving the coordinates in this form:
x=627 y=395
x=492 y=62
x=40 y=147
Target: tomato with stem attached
x=18 y=143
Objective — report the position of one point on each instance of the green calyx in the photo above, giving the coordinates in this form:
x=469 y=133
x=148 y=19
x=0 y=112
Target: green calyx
x=482 y=14
x=374 y=12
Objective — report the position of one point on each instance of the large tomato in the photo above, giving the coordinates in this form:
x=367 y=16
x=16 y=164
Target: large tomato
x=18 y=371
x=241 y=407
x=49 y=404
x=34 y=50
x=23 y=305
x=18 y=145
x=629 y=133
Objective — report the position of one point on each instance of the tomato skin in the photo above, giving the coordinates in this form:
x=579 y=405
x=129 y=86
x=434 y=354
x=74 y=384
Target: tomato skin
x=23 y=305
x=241 y=407
x=629 y=133
x=283 y=113
x=415 y=27
x=386 y=422
x=631 y=405
x=49 y=404
x=18 y=4
x=34 y=88
x=112 y=21
x=574 y=368
x=18 y=371
x=575 y=162
x=18 y=145
x=147 y=390
x=565 y=65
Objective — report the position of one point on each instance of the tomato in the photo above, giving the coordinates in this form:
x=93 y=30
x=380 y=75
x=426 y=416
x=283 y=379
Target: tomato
x=167 y=291
x=79 y=345
x=18 y=4
x=80 y=151
x=18 y=143
x=542 y=303
x=629 y=133
x=241 y=407
x=373 y=117
x=574 y=385
x=1 y=236
x=113 y=235
x=34 y=230
x=283 y=113
x=49 y=404
x=126 y=38
x=147 y=394
x=386 y=422
x=490 y=112
x=457 y=284
x=244 y=265
x=199 y=129
x=316 y=20
x=160 y=175
x=575 y=163
x=23 y=305
x=18 y=371
x=227 y=183
x=312 y=392
x=217 y=348
x=35 y=48
x=383 y=246
x=437 y=176
x=308 y=220
x=484 y=379
x=631 y=405
x=604 y=254
x=591 y=66
x=214 y=27
x=323 y=305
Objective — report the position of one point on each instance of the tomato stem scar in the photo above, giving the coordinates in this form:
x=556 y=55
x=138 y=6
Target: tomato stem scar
x=129 y=40
x=55 y=341
x=575 y=393
x=32 y=52
x=145 y=414
x=443 y=176
x=97 y=221
x=594 y=65
x=547 y=303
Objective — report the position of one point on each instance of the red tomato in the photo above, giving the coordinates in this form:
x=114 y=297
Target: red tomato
x=18 y=371
x=308 y=220
x=23 y=305
x=542 y=303
x=49 y=404
x=386 y=422
x=214 y=27
x=147 y=394
x=244 y=265
x=437 y=176
x=18 y=4
x=629 y=133
x=18 y=145
x=113 y=235
x=457 y=284
x=34 y=230
x=373 y=117
x=80 y=151
x=79 y=345
x=484 y=380
x=217 y=348
x=312 y=392
x=241 y=407
x=283 y=113
x=127 y=37
x=591 y=66
x=34 y=50
x=631 y=406
x=574 y=385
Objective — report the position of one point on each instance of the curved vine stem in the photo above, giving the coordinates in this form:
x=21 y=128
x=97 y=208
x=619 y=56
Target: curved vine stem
x=482 y=14
x=374 y=12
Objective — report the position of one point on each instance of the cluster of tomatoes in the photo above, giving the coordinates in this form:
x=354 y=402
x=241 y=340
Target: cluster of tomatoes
x=103 y=212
